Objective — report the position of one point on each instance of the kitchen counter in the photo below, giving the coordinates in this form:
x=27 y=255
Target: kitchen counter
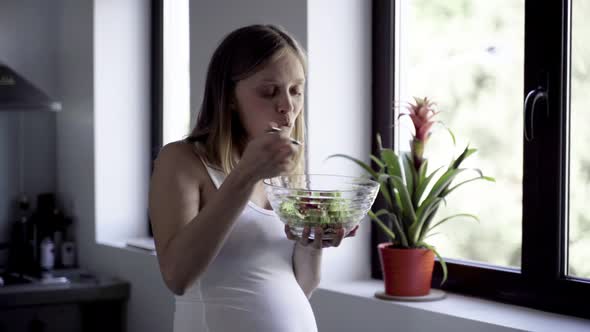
x=69 y=300
x=80 y=287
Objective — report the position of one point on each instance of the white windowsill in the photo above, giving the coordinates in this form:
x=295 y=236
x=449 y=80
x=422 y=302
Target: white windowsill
x=470 y=308
x=142 y=248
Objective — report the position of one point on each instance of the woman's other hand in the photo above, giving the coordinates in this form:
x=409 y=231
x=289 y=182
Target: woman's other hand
x=318 y=242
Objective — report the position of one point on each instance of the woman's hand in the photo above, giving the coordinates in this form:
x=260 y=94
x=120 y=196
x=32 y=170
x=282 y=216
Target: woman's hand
x=268 y=155
x=318 y=242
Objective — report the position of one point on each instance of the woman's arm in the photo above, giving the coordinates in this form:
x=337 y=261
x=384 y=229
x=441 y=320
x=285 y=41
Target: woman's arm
x=187 y=240
x=307 y=263
x=307 y=255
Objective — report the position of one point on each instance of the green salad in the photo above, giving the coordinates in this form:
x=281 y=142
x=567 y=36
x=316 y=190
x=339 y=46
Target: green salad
x=327 y=210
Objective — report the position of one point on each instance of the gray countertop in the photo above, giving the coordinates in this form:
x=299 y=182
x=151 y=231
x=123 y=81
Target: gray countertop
x=80 y=286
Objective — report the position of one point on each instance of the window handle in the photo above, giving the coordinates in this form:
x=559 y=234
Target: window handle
x=530 y=105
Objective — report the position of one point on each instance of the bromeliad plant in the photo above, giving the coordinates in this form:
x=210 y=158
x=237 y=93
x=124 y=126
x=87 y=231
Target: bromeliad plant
x=404 y=184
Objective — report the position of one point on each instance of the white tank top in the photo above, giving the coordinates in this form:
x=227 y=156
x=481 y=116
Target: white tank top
x=250 y=285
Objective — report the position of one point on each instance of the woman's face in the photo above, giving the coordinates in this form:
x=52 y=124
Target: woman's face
x=273 y=94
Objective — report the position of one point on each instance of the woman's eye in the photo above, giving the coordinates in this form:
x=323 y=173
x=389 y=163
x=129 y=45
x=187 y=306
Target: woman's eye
x=271 y=92
x=296 y=91
x=268 y=92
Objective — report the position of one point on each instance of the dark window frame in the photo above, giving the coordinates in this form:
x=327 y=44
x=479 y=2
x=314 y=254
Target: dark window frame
x=542 y=282
x=157 y=75
x=157 y=83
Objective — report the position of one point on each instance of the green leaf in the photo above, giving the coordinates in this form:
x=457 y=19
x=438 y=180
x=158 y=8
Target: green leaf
x=464 y=155
x=378 y=162
x=409 y=173
x=426 y=225
x=391 y=161
x=394 y=202
x=379 y=143
x=358 y=162
x=380 y=212
x=454 y=216
x=429 y=235
x=398 y=207
x=397 y=200
x=450 y=132
x=392 y=167
x=476 y=170
x=420 y=178
x=384 y=227
x=443 y=182
x=422 y=171
x=423 y=184
x=422 y=214
x=443 y=264
x=396 y=223
x=383 y=177
x=408 y=208
x=384 y=188
x=448 y=191
x=396 y=227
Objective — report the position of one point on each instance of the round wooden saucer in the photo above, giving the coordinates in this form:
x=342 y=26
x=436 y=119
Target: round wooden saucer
x=434 y=295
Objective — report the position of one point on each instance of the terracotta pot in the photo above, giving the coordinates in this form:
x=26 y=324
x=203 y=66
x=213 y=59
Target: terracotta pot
x=406 y=272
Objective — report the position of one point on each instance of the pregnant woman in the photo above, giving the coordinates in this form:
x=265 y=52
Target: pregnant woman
x=223 y=252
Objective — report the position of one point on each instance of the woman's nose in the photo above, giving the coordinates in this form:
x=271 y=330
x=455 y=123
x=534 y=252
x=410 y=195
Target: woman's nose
x=285 y=105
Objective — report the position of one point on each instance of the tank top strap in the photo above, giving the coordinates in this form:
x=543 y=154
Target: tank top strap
x=216 y=175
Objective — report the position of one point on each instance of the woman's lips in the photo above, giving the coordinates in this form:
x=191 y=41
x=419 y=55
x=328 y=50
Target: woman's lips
x=285 y=123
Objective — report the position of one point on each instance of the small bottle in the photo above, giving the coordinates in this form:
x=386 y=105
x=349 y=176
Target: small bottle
x=68 y=254
x=58 y=235
x=42 y=228
x=47 y=254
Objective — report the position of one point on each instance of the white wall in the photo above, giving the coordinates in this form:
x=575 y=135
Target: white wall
x=86 y=154
x=28 y=32
x=339 y=111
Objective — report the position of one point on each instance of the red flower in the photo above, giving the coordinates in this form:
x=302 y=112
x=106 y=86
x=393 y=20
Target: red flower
x=421 y=114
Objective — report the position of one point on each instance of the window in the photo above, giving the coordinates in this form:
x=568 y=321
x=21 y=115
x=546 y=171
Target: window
x=579 y=213
x=479 y=60
x=176 y=110
x=473 y=68
x=171 y=112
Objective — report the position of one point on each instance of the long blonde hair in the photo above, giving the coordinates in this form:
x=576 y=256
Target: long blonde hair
x=241 y=54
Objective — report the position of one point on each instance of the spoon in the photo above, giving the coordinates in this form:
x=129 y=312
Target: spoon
x=278 y=130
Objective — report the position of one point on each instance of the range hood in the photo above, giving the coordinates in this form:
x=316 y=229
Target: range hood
x=18 y=94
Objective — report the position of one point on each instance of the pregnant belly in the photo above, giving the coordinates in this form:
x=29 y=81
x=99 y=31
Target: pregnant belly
x=270 y=306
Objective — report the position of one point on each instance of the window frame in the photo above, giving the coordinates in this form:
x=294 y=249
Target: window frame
x=542 y=282
x=157 y=85
x=157 y=75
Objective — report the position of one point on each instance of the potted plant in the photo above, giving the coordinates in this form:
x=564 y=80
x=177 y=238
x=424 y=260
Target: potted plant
x=413 y=195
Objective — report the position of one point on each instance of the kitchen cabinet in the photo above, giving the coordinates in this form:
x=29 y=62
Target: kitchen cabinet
x=87 y=304
x=60 y=317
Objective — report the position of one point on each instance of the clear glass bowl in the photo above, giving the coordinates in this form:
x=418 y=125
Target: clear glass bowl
x=328 y=201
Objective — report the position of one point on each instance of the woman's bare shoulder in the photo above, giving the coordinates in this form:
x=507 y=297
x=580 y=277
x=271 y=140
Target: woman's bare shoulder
x=182 y=157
